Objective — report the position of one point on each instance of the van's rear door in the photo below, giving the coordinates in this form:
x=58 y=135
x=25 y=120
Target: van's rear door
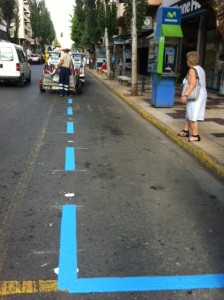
x=7 y=64
x=24 y=65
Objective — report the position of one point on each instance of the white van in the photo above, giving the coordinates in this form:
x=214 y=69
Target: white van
x=13 y=64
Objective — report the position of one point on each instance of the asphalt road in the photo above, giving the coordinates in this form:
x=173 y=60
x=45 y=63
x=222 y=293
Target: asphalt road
x=144 y=207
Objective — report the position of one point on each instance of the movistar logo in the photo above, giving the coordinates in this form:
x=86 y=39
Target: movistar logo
x=171 y=15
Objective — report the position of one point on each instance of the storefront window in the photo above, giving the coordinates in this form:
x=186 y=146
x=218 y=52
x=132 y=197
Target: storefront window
x=213 y=59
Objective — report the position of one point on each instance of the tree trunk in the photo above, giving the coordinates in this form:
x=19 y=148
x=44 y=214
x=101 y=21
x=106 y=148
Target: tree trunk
x=134 y=79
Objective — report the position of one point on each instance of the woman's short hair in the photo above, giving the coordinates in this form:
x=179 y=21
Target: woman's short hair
x=193 y=57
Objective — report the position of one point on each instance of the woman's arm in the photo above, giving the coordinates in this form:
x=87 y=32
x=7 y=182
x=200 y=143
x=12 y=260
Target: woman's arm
x=192 y=81
x=192 y=84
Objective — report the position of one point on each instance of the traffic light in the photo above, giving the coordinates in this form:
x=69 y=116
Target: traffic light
x=61 y=34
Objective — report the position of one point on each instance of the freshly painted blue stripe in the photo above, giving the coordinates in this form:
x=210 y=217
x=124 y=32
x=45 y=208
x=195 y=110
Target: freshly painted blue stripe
x=69 y=111
x=143 y=284
x=68 y=272
x=70 y=127
x=70 y=159
x=69 y=101
x=67 y=264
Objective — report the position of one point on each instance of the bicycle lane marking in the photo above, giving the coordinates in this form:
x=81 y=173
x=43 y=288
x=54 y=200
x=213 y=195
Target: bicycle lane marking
x=68 y=279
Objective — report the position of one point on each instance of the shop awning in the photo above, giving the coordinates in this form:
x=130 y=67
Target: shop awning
x=172 y=31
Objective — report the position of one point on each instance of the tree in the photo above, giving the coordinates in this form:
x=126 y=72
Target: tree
x=76 y=32
x=16 y=21
x=8 y=11
x=141 y=8
x=41 y=23
x=89 y=19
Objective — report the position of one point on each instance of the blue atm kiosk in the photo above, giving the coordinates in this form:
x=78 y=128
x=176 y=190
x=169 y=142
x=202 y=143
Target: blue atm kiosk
x=164 y=58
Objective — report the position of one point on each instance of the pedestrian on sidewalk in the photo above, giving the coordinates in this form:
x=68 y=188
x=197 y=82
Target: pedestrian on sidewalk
x=195 y=110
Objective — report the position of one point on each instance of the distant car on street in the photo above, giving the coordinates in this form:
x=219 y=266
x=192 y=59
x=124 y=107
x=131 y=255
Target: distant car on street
x=76 y=59
x=35 y=59
x=54 y=58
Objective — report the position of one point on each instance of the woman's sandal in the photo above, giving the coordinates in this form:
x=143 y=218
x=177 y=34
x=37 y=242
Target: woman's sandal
x=184 y=133
x=194 y=138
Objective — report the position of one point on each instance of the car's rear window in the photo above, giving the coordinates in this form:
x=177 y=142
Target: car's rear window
x=21 y=55
x=6 y=54
x=55 y=56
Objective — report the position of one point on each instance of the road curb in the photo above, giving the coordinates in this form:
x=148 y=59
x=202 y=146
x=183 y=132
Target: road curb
x=208 y=161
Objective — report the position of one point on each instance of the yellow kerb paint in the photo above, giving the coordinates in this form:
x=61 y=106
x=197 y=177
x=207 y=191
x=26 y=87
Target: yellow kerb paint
x=27 y=287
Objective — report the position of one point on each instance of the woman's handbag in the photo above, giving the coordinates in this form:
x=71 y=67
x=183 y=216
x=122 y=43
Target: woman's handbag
x=196 y=91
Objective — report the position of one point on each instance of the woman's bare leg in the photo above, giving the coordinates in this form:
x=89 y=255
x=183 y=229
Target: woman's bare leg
x=187 y=125
x=194 y=127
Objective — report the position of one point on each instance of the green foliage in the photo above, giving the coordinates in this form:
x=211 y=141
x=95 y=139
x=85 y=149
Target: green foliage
x=89 y=21
x=111 y=19
x=16 y=21
x=101 y=20
x=76 y=32
x=141 y=7
x=41 y=23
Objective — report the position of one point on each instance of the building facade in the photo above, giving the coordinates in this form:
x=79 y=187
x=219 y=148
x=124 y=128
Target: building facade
x=200 y=34
x=3 y=34
x=25 y=31
x=123 y=40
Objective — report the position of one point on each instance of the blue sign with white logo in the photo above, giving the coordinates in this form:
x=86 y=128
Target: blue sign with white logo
x=168 y=16
x=171 y=16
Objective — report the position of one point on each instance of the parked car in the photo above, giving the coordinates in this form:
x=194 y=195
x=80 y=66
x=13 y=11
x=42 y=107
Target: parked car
x=14 y=65
x=35 y=59
x=82 y=73
x=42 y=58
x=78 y=64
x=54 y=58
x=77 y=60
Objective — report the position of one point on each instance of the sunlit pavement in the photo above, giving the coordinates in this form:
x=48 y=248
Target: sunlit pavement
x=170 y=120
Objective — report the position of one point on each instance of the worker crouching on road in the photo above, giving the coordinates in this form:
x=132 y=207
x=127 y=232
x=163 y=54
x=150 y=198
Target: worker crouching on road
x=64 y=64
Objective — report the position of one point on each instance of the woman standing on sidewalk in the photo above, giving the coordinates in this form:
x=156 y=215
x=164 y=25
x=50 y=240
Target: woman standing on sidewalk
x=195 y=110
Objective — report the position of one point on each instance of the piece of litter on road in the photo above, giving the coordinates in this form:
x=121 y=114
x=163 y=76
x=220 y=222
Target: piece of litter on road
x=70 y=195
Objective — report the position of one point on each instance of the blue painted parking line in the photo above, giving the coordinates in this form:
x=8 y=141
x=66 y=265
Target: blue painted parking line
x=68 y=280
x=69 y=111
x=69 y=101
x=68 y=245
x=70 y=159
x=70 y=127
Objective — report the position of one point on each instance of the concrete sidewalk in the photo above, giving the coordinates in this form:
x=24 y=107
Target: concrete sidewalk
x=210 y=150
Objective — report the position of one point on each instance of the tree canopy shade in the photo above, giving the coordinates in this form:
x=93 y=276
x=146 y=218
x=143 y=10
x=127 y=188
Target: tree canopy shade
x=89 y=20
x=141 y=8
x=41 y=23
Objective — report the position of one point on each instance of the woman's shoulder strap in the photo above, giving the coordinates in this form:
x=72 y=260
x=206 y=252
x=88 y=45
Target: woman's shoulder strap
x=195 y=69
